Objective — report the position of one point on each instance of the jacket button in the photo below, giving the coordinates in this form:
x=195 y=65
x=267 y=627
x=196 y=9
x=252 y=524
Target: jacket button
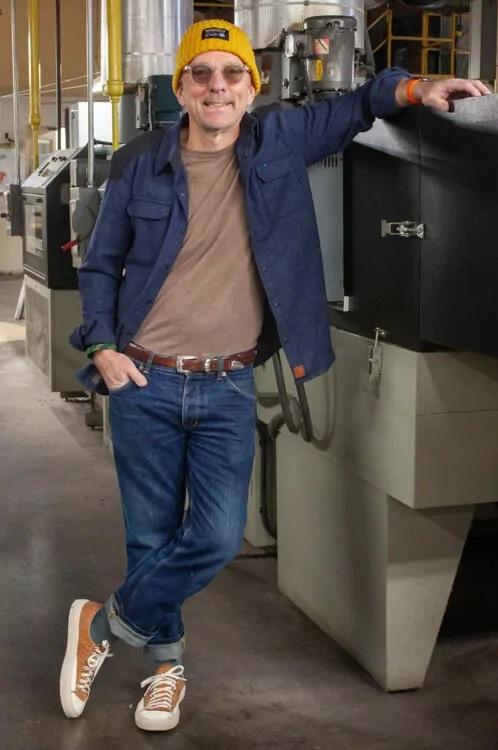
x=265 y=268
x=276 y=304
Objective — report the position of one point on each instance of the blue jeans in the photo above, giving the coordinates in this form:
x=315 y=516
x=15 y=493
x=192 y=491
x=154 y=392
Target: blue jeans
x=180 y=433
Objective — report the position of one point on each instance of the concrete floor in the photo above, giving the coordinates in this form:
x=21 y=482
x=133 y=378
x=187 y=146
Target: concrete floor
x=260 y=674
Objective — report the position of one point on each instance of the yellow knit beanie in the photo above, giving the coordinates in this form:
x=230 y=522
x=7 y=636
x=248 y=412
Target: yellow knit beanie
x=219 y=35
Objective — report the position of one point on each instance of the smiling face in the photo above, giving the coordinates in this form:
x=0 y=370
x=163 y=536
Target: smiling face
x=217 y=107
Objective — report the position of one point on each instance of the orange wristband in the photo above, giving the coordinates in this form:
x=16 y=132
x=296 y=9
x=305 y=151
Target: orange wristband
x=410 y=98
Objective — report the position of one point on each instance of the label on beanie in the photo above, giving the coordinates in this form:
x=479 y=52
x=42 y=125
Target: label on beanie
x=213 y=33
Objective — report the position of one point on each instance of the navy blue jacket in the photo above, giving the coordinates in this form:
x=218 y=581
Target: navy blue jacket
x=144 y=213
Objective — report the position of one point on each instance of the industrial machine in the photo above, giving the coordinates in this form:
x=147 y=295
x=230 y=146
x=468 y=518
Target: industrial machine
x=46 y=222
x=374 y=505
x=52 y=302
x=50 y=283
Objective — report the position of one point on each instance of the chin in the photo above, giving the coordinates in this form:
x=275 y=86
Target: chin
x=213 y=126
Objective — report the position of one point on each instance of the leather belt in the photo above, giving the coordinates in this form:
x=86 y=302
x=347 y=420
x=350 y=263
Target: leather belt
x=186 y=363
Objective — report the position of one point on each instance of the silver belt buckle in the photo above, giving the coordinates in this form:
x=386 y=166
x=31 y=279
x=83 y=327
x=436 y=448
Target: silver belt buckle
x=207 y=363
x=179 y=363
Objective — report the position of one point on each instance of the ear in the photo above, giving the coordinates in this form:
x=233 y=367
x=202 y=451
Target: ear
x=179 y=94
x=251 y=95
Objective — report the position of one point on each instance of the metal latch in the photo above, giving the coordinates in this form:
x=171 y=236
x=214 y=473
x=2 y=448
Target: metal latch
x=402 y=229
x=375 y=358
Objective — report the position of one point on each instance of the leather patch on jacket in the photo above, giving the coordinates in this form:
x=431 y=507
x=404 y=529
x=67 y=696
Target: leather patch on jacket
x=299 y=371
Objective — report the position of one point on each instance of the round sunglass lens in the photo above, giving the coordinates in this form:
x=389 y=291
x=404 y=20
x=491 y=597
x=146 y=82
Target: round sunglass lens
x=201 y=74
x=232 y=74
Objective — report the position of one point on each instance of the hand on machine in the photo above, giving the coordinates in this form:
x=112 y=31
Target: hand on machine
x=437 y=94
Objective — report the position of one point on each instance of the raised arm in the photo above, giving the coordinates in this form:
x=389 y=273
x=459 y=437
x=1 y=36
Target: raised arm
x=328 y=126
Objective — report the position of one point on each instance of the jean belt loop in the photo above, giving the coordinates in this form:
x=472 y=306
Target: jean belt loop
x=148 y=364
x=220 y=368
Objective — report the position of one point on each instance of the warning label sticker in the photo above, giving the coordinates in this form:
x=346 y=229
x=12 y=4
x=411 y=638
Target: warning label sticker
x=321 y=46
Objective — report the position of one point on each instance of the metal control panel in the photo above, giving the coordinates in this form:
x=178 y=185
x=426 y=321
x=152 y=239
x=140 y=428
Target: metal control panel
x=45 y=199
x=50 y=168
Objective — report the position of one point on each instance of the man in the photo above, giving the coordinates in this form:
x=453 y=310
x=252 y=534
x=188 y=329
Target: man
x=204 y=260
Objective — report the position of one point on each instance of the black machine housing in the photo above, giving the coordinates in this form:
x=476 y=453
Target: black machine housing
x=437 y=170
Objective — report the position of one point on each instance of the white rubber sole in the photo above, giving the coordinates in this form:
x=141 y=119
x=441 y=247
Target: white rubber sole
x=71 y=704
x=158 y=721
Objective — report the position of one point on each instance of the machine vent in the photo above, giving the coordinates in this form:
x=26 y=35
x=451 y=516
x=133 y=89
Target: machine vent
x=330 y=161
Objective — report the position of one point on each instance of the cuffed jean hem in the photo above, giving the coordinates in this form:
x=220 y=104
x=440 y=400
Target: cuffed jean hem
x=121 y=629
x=165 y=651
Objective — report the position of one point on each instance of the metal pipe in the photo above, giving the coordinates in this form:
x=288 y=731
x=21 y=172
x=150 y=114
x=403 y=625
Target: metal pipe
x=114 y=86
x=34 y=76
x=89 y=92
x=288 y=403
x=58 y=72
x=67 y=127
x=15 y=90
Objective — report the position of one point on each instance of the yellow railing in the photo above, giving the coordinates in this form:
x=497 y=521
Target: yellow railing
x=427 y=42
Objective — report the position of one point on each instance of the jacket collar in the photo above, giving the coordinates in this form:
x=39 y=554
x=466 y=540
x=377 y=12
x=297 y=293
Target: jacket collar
x=169 y=148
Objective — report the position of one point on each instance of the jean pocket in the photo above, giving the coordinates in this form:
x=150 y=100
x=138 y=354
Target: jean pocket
x=242 y=384
x=121 y=388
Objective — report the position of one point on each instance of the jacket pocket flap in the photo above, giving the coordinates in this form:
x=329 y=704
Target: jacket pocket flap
x=273 y=169
x=147 y=210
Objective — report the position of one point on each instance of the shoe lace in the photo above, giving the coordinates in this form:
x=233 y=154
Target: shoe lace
x=161 y=688
x=92 y=666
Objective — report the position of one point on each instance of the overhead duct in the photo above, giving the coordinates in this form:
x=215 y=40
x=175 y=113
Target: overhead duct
x=263 y=21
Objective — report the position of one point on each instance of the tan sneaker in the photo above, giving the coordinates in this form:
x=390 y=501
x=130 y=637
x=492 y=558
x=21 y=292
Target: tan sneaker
x=159 y=709
x=83 y=658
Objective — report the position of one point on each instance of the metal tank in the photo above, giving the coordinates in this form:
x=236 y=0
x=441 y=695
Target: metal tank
x=151 y=33
x=263 y=21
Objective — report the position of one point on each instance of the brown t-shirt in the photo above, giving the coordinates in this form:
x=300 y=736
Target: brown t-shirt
x=212 y=301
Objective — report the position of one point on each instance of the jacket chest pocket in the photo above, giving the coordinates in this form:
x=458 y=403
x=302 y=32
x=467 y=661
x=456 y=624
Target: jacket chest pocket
x=281 y=190
x=149 y=221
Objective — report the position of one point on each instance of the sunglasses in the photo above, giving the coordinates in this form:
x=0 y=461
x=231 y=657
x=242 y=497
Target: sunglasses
x=202 y=74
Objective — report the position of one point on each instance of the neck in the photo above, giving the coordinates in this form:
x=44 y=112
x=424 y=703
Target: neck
x=205 y=140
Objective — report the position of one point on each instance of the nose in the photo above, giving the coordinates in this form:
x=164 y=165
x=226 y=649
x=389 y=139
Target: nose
x=217 y=82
